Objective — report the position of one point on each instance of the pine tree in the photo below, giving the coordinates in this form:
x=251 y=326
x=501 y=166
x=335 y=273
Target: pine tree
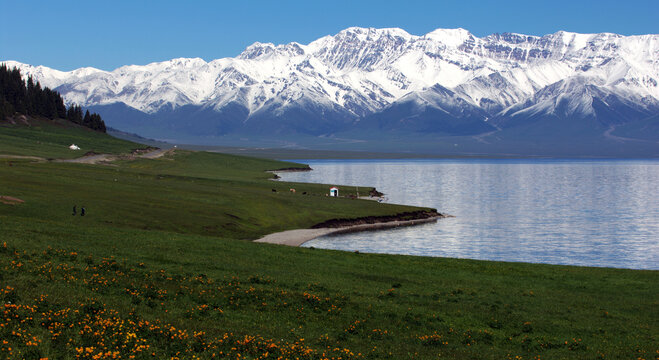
x=27 y=97
x=86 y=121
x=31 y=96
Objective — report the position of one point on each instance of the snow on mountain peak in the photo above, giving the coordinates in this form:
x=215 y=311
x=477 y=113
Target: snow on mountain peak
x=50 y=77
x=450 y=37
x=363 y=70
x=373 y=32
x=263 y=50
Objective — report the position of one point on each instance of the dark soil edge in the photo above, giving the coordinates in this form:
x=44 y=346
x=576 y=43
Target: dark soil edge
x=405 y=216
x=292 y=169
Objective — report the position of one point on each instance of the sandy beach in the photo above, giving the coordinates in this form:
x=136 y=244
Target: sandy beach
x=298 y=237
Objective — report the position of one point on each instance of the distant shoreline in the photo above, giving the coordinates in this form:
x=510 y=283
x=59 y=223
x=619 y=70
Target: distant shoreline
x=281 y=153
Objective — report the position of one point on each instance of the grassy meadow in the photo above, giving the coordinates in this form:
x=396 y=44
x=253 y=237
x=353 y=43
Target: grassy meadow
x=159 y=267
x=51 y=139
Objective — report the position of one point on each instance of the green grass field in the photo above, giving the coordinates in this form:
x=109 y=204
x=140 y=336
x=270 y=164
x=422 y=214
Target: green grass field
x=158 y=268
x=51 y=139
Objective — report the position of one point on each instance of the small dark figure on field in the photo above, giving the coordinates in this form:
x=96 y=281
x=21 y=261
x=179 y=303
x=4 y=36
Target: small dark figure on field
x=82 y=211
x=274 y=190
x=74 y=210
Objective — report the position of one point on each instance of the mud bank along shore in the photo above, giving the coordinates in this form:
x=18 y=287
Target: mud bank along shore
x=298 y=237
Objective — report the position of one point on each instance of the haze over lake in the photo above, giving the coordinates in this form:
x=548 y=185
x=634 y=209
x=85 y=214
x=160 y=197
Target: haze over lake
x=576 y=212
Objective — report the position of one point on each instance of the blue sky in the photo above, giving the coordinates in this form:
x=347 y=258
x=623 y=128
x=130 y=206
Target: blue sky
x=69 y=34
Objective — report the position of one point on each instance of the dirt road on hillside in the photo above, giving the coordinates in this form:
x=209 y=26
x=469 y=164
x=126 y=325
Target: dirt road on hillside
x=107 y=158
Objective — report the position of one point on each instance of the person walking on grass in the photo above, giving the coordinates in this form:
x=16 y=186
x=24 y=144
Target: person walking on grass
x=82 y=211
x=74 y=210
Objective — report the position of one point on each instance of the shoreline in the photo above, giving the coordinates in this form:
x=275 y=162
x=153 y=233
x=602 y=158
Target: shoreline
x=298 y=237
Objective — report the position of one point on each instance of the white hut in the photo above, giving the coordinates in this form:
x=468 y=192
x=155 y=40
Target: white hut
x=334 y=191
x=74 y=147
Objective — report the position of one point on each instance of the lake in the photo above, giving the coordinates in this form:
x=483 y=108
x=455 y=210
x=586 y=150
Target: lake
x=574 y=212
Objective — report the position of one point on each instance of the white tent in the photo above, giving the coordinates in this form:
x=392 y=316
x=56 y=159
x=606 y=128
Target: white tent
x=74 y=147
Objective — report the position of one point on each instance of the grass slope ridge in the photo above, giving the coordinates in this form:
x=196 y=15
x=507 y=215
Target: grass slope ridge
x=35 y=136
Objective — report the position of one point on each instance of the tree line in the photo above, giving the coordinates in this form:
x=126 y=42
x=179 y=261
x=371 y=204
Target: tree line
x=29 y=98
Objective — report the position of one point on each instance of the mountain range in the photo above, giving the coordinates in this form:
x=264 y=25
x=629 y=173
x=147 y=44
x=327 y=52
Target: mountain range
x=447 y=91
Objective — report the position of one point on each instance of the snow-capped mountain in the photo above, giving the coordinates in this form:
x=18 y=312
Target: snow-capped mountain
x=447 y=81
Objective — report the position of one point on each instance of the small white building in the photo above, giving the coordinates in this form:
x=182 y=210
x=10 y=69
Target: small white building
x=334 y=191
x=74 y=147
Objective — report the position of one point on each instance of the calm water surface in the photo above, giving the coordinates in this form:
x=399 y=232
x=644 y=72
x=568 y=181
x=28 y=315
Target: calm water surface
x=592 y=213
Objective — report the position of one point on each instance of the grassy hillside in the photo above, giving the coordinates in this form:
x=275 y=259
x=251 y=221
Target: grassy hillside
x=80 y=290
x=191 y=193
x=51 y=139
x=155 y=269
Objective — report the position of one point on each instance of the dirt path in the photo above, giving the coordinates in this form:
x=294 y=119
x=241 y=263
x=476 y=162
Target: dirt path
x=300 y=236
x=107 y=158
x=154 y=154
x=22 y=157
x=97 y=158
x=90 y=159
x=10 y=200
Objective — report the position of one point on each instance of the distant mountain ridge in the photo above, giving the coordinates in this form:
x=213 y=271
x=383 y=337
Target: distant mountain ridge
x=363 y=80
